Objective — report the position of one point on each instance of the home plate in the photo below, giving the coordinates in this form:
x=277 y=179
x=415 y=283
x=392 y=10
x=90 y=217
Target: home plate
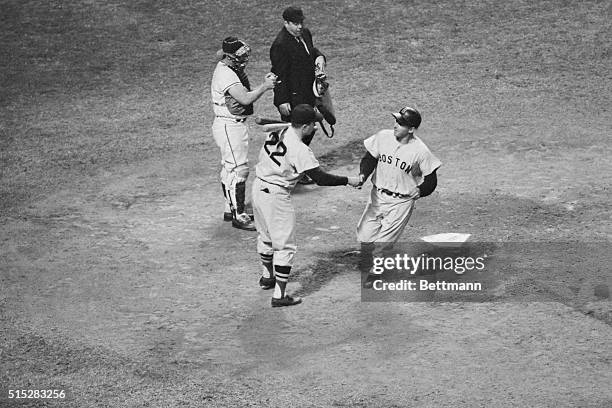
x=447 y=239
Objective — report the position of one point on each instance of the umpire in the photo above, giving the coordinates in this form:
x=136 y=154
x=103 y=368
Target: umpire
x=293 y=57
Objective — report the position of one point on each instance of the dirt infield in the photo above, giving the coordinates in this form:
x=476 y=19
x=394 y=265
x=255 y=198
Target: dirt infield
x=122 y=286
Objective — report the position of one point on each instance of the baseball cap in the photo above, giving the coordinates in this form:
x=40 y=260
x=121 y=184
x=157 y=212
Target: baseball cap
x=304 y=114
x=408 y=116
x=293 y=14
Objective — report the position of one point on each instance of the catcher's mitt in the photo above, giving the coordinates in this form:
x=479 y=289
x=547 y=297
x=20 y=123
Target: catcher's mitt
x=323 y=102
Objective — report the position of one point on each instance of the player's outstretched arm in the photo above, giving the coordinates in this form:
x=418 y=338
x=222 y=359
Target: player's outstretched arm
x=323 y=178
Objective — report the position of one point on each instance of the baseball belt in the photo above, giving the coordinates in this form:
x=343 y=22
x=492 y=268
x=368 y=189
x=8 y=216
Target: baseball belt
x=391 y=193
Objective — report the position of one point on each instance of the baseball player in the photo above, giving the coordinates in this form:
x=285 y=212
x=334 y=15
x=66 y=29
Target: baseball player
x=404 y=170
x=233 y=99
x=283 y=159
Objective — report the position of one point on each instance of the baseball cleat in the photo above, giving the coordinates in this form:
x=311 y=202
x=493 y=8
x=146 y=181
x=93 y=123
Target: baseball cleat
x=267 y=283
x=286 y=301
x=227 y=216
x=243 y=221
x=305 y=180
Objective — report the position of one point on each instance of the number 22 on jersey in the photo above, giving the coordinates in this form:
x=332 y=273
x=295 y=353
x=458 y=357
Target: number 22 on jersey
x=279 y=148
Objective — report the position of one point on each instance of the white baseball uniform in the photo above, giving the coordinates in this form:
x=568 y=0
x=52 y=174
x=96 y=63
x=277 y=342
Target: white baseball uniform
x=282 y=161
x=229 y=131
x=400 y=168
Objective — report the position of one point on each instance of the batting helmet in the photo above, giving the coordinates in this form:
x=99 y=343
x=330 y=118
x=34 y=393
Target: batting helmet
x=408 y=116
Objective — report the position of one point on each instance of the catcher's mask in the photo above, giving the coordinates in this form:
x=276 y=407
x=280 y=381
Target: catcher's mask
x=237 y=51
x=240 y=57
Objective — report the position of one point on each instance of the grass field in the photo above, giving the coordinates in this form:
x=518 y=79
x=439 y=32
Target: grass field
x=121 y=285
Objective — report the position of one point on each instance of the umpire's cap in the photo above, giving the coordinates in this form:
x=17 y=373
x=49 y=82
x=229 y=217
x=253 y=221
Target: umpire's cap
x=408 y=116
x=293 y=14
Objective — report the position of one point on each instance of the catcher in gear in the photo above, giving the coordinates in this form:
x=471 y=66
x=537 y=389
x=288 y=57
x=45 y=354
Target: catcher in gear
x=233 y=100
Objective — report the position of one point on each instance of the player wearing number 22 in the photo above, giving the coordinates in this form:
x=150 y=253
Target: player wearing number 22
x=283 y=159
x=404 y=170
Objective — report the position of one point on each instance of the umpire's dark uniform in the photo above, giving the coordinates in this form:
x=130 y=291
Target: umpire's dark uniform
x=295 y=68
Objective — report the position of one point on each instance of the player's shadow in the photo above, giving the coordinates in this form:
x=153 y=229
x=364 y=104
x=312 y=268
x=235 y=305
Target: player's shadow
x=328 y=266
